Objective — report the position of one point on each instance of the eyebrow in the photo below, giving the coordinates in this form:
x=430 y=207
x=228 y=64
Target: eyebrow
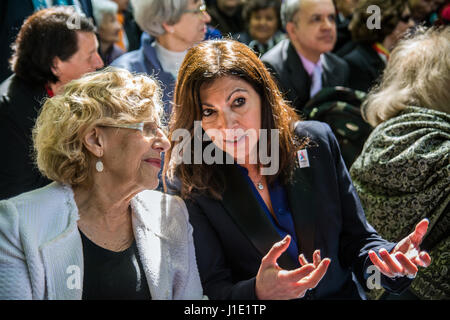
x=228 y=98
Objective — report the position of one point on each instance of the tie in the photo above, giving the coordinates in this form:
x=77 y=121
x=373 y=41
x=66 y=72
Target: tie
x=316 y=84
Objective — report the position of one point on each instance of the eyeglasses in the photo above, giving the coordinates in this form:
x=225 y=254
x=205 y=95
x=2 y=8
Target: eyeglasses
x=200 y=10
x=148 y=129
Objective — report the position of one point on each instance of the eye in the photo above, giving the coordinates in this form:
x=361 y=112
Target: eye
x=238 y=102
x=207 y=112
x=332 y=17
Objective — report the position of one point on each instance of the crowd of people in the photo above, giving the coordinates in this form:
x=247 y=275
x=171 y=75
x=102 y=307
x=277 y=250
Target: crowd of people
x=227 y=149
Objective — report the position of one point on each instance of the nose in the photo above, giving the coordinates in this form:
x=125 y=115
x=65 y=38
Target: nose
x=206 y=17
x=97 y=62
x=161 y=144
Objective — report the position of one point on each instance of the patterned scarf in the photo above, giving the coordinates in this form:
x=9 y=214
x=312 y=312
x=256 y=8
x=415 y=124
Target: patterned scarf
x=403 y=176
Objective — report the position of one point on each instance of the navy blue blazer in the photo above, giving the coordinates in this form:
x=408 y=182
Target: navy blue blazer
x=232 y=235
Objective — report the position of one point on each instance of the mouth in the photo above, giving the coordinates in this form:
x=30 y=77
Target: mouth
x=154 y=162
x=235 y=140
x=327 y=38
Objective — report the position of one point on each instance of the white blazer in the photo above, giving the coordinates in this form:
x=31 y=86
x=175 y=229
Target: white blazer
x=41 y=251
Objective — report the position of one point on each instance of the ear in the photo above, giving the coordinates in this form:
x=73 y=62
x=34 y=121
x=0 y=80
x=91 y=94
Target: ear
x=56 y=66
x=290 y=29
x=94 y=141
x=167 y=27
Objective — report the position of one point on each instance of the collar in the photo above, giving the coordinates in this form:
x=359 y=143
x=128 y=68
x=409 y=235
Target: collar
x=309 y=65
x=382 y=51
x=49 y=90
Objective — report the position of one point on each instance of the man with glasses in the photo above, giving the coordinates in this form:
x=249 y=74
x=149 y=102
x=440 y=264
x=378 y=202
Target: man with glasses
x=170 y=28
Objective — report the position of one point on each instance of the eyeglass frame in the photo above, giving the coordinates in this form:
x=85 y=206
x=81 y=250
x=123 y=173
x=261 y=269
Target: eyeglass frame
x=200 y=10
x=135 y=126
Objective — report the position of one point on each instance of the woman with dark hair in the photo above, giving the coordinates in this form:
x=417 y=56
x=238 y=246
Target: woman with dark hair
x=53 y=46
x=263 y=25
x=170 y=28
x=267 y=178
x=372 y=44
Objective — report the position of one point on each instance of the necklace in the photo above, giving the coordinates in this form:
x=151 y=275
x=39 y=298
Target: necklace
x=260 y=186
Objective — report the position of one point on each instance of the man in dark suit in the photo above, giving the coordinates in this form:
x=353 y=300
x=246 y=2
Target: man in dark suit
x=303 y=64
x=13 y=13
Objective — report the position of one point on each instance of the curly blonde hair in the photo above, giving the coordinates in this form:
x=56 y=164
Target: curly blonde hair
x=108 y=97
x=418 y=74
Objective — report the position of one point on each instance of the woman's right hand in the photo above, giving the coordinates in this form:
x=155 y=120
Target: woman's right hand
x=274 y=283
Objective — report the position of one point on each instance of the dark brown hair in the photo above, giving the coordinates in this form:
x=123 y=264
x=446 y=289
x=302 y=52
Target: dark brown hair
x=47 y=34
x=252 y=6
x=391 y=12
x=204 y=63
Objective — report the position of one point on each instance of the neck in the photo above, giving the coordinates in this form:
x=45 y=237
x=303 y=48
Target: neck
x=312 y=56
x=388 y=42
x=56 y=87
x=103 y=206
x=171 y=43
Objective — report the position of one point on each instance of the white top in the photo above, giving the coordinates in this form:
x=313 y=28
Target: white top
x=170 y=60
x=41 y=253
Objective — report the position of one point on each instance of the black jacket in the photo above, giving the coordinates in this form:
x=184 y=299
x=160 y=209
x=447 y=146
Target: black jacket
x=232 y=236
x=365 y=65
x=285 y=64
x=20 y=103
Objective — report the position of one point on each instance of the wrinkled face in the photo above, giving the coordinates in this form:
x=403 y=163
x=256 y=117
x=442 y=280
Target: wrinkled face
x=109 y=29
x=191 y=28
x=133 y=158
x=231 y=116
x=263 y=24
x=313 y=30
x=85 y=60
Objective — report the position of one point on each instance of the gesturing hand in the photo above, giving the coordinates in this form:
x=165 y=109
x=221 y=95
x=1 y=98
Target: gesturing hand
x=406 y=256
x=274 y=283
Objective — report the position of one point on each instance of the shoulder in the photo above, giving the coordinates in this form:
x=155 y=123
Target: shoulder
x=313 y=129
x=337 y=61
x=277 y=55
x=40 y=214
x=166 y=215
x=321 y=139
x=128 y=60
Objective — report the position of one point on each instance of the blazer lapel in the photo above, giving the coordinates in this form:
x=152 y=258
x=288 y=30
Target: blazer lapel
x=301 y=197
x=329 y=76
x=299 y=78
x=146 y=225
x=245 y=210
x=63 y=262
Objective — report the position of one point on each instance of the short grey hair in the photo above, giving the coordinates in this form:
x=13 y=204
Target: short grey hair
x=151 y=14
x=288 y=10
x=102 y=7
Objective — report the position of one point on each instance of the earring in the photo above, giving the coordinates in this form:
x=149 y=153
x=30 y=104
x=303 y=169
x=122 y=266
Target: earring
x=99 y=166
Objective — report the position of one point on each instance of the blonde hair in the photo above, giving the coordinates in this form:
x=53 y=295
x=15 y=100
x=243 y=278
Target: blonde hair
x=108 y=97
x=418 y=73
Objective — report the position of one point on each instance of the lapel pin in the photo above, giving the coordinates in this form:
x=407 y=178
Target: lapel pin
x=303 y=159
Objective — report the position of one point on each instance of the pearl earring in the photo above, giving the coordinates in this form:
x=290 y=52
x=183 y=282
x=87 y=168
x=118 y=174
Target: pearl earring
x=99 y=166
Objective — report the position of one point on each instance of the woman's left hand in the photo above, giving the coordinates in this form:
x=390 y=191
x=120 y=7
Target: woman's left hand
x=406 y=256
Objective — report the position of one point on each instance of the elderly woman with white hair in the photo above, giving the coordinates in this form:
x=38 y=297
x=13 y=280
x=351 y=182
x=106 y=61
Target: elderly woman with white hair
x=402 y=175
x=170 y=28
x=98 y=231
x=105 y=15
